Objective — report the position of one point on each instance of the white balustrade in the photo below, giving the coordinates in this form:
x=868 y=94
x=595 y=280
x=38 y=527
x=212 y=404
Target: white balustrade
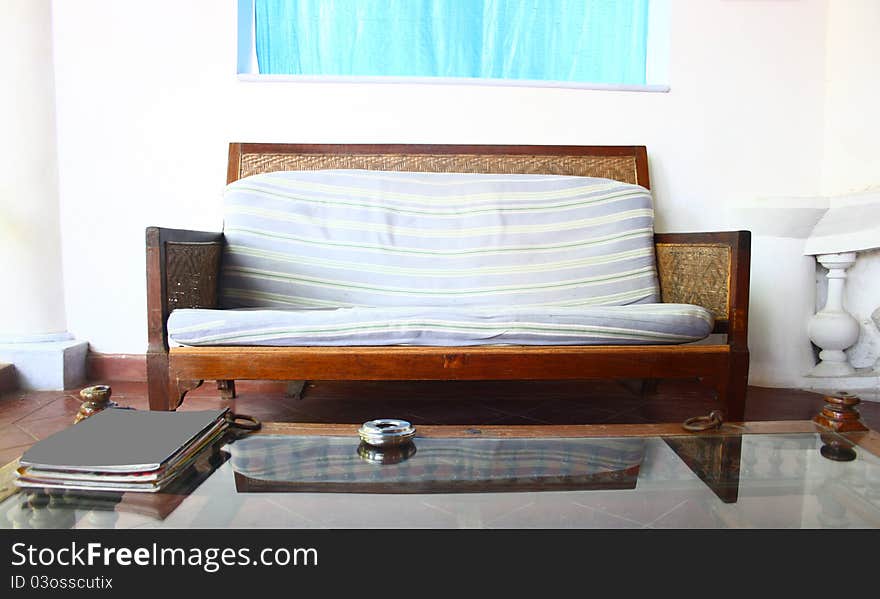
x=850 y=226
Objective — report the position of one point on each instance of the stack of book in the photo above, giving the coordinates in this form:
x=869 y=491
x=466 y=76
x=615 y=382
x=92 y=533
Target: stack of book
x=122 y=450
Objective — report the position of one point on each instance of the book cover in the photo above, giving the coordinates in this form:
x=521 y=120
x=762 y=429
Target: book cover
x=120 y=440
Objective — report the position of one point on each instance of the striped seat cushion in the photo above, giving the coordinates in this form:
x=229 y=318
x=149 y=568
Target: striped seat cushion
x=344 y=238
x=454 y=326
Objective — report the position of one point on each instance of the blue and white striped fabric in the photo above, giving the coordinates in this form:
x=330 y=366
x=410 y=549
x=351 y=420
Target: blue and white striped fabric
x=345 y=238
x=348 y=257
x=653 y=324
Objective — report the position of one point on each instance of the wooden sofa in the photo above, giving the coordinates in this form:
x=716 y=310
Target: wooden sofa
x=706 y=269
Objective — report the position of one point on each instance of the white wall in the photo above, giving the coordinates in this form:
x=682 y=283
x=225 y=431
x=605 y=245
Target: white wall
x=31 y=301
x=148 y=100
x=851 y=159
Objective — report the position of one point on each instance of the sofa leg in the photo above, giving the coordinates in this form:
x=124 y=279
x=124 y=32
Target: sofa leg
x=161 y=401
x=227 y=389
x=157 y=382
x=295 y=389
x=732 y=388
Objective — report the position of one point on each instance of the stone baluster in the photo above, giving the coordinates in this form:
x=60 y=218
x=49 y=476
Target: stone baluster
x=833 y=329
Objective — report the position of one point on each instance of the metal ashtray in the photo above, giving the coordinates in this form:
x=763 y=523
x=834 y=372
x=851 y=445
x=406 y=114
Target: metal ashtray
x=385 y=456
x=386 y=432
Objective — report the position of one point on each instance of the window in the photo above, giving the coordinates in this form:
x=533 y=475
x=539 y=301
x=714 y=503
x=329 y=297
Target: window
x=560 y=42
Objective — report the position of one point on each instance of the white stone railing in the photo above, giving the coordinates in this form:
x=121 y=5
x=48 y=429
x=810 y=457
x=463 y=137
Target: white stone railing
x=850 y=226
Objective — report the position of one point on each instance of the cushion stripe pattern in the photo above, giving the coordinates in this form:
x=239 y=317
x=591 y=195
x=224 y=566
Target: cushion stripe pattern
x=640 y=324
x=352 y=238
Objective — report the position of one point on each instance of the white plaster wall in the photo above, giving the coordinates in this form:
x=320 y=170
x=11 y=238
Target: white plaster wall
x=851 y=159
x=148 y=100
x=782 y=281
x=780 y=305
x=31 y=292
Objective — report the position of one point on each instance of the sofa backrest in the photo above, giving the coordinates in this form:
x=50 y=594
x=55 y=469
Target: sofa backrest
x=330 y=238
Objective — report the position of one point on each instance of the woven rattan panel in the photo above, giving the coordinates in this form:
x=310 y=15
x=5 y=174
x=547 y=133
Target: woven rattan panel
x=619 y=168
x=695 y=274
x=193 y=269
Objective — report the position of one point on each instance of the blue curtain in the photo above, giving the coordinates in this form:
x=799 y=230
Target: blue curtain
x=595 y=41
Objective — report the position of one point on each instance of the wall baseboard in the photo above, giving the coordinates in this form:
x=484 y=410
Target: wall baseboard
x=116 y=367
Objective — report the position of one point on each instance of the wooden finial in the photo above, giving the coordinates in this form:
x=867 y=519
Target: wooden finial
x=840 y=413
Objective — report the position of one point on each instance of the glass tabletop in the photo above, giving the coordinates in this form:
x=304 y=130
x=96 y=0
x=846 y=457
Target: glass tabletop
x=762 y=480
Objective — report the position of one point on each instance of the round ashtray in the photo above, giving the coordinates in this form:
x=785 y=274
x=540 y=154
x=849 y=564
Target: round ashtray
x=386 y=431
x=387 y=455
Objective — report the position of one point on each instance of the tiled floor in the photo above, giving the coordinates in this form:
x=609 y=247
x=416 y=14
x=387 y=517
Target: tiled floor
x=29 y=416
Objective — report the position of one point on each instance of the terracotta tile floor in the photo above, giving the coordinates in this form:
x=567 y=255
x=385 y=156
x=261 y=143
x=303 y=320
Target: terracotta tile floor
x=29 y=416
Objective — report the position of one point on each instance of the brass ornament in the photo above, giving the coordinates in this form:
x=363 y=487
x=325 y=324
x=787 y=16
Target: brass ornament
x=95 y=399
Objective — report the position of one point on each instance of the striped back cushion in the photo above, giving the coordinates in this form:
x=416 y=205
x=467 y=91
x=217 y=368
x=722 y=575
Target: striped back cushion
x=313 y=239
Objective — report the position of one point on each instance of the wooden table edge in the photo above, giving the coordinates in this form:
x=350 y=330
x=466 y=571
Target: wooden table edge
x=551 y=430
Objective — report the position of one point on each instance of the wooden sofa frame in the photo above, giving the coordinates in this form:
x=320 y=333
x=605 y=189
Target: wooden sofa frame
x=707 y=269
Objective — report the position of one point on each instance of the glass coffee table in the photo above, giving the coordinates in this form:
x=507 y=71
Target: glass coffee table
x=792 y=474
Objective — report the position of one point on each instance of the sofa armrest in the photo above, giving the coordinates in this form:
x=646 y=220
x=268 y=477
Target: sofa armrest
x=709 y=270
x=183 y=268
